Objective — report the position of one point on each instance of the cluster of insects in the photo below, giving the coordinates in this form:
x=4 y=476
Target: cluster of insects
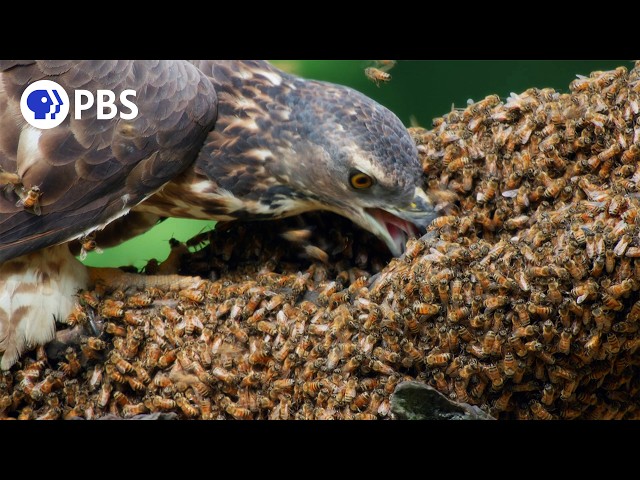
x=535 y=265
x=522 y=298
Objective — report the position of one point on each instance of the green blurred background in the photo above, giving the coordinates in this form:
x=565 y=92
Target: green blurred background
x=418 y=89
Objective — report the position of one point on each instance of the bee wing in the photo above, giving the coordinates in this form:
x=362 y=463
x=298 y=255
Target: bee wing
x=92 y=171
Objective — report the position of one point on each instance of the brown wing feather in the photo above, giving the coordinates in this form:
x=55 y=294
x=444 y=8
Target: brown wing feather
x=91 y=171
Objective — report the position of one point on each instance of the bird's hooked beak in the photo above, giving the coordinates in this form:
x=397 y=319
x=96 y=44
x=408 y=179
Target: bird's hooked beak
x=394 y=226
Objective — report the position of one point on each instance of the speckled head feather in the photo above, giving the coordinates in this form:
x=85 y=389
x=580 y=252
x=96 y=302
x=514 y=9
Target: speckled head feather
x=283 y=145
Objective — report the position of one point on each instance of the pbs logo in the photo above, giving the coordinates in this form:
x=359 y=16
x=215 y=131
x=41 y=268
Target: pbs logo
x=45 y=104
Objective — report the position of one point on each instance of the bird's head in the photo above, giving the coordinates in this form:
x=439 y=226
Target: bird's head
x=284 y=145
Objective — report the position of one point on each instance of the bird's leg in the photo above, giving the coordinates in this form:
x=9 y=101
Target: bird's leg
x=35 y=290
x=116 y=279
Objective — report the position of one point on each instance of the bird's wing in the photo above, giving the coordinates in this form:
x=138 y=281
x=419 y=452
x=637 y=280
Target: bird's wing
x=91 y=171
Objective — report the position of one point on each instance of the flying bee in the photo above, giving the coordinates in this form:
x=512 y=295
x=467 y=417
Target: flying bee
x=376 y=75
x=30 y=200
x=88 y=244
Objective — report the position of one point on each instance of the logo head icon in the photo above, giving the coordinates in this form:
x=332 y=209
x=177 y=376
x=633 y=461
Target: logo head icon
x=44 y=104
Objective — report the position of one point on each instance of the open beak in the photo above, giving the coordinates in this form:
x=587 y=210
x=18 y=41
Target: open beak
x=395 y=226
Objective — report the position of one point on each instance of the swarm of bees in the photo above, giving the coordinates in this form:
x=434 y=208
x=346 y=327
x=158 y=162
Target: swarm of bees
x=521 y=299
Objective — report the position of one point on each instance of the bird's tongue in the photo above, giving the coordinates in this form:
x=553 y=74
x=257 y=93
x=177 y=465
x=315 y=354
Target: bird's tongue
x=399 y=230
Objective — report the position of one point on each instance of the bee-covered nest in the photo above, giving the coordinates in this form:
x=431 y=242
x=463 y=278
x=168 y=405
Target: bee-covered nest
x=522 y=299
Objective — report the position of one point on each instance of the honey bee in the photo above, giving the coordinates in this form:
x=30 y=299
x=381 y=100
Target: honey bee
x=91 y=346
x=297 y=235
x=488 y=341
x=478 y=388
x=438 y=359
x=509 y=364
x=609 y=261
x=72 y=366
x=352 y=364
x=357 y=285
x=161 y=404
x=611 y=303
x=625 y=327
x=458 y=314
x=350 y=390
x=517 y=223
x=376 y=75
x=488 y=191
x=259 y=357
x=427 y=310
x=460 y=389
x=365 y=416
x=135 y=384
x=502 y=402
x=378 y=366
x=30 y=199
x=116 y=330
x=411 y=323
x=191 y=294
x=630 y=155
x=493 y=303
x=634 y=312
x=612 y=344
x=88 y=244
x=167 y=359
x=576 y=269
x=567 y=390
x=539 y=412
x=112 y=308
x=502 y=281
x=414 y=354
x=517 y=345
x=123 y=366
x=187 y=408
x=441 y=383
x=621 y=289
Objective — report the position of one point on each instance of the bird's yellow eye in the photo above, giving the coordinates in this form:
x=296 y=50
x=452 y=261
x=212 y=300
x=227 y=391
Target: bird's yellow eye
x=361 y=180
